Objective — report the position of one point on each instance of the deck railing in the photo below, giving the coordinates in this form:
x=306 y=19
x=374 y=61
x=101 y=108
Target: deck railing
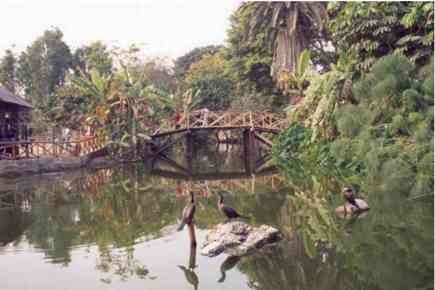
x=41 y=147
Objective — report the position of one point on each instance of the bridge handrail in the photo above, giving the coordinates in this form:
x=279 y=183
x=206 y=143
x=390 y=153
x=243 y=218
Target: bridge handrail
x=216 y=119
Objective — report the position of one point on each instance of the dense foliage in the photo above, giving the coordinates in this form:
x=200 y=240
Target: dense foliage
x=386 y=138
x=183 y=63
x=377 y=29
x=211 y=80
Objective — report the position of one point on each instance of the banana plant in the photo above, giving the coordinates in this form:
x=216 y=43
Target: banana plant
x=99 y=89
x=297 y=80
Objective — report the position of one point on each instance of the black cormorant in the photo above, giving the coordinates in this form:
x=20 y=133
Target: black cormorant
x=229 y=212
x=188 y=212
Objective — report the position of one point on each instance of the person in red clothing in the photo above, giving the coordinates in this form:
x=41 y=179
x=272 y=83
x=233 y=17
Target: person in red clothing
x=204 y=191
x=179 y=190
x=177 y=120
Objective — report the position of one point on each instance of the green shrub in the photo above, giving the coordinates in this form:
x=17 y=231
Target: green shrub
x=341 y=150
x=415 y=117
x=397 y=176
x=426 y=164
x=410 y=100
x=421 y=133
x=398 y=126
x=389 y=76
x=423 y=185
x=351 y=120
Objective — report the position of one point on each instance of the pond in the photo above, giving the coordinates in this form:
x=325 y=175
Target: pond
x=116 y=229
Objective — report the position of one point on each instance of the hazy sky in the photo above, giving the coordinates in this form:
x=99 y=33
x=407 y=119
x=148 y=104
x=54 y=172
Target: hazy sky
x=165 y=28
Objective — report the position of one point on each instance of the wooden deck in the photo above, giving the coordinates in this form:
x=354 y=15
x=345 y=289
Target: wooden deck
x=44 y=147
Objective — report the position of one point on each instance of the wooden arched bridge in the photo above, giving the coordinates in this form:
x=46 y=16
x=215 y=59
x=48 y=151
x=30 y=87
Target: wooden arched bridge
x=225 y=120
x=255 y=129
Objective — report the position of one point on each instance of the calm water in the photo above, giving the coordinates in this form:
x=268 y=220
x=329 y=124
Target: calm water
x=115 y=229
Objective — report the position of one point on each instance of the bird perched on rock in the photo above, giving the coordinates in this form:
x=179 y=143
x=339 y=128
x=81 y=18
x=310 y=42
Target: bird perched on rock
x=188 y=212
x=229 y=212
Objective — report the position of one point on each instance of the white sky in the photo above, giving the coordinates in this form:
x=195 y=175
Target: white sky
x=165 y=28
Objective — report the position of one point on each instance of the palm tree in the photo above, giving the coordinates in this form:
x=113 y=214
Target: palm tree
x=290 y=27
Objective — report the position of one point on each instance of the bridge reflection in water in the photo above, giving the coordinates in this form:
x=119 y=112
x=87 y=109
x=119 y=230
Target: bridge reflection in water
x=211 y=169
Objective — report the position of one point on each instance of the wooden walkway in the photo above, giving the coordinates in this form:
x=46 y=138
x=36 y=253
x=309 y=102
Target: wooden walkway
x=44 y=147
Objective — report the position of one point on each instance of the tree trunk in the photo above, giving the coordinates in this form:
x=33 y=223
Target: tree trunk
x=288 y=47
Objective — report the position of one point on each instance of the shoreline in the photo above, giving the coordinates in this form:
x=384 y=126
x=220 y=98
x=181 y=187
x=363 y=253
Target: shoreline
x=17 y=168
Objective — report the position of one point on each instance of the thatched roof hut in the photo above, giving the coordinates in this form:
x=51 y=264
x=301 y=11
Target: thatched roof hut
x=9 y=99
x=14 y=116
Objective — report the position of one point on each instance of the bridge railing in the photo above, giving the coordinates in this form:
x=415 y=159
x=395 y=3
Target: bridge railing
x=229 y=119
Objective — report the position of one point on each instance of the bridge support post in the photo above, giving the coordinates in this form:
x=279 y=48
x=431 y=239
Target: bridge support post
x=189 y=151
x=249 y=150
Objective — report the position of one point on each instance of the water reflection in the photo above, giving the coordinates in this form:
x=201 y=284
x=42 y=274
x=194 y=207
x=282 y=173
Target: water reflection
x=286 y=264
x=229 y=263
x=125 y=222
x=120 y=264
x=13 y=222
x=189 y=271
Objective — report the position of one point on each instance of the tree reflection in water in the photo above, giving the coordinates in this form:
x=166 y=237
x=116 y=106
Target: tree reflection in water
x=120 y=263
x=391 y=248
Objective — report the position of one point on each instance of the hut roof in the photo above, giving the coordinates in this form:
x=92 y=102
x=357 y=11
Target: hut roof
x=8 y=97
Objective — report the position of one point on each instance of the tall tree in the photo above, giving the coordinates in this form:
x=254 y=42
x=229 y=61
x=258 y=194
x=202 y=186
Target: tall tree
x=8 y=66
x=42 y=68
x=183 y=63
x=94 y=56
x=159 y=75
x=209 y=78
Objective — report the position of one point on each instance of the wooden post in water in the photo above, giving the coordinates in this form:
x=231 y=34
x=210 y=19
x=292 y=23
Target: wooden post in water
x=249 y=150
x=147 y=158
x=192 y=236
x=189 y=151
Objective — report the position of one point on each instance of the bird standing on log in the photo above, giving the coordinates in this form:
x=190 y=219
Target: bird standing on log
x=229 y=212
x=188 y=212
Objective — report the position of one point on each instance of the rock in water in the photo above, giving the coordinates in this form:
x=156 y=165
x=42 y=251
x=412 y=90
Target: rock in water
x=237 y=238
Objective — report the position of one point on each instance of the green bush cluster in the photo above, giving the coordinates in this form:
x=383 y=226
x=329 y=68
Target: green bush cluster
x=386 y=140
